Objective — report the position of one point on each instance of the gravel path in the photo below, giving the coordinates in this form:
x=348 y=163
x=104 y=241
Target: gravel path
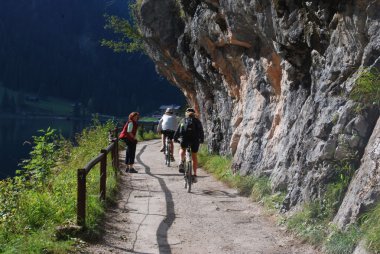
x=155 y=214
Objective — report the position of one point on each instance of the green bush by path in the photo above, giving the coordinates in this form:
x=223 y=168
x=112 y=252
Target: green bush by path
x=43 y=195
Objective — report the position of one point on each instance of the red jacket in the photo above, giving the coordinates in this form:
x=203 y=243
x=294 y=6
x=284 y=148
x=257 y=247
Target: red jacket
x=125 y=134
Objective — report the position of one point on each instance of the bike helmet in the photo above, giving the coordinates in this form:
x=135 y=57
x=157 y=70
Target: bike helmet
x=169 y=111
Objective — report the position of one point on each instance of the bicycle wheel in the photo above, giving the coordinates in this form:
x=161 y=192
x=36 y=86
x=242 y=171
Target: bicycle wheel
x=185 y=176
x=168 y=154
x=189 y=178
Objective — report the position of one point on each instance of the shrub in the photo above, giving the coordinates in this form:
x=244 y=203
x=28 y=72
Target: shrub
x=43 y=195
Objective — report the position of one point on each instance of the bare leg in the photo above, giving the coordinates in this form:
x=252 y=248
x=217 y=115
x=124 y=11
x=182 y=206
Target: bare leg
x=195 y=162
x=171 y=147
x=182 y=154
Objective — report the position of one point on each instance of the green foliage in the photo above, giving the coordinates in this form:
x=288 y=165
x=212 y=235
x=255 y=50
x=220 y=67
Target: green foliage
x=258 y=188
x=246 y=185
x=261 y=188
x=146 y=135
x=371 y=228
x=367 y=87
x=180 y=9
x=335 y=118
x=273 y=202
x=309 y=224
x=312 y=223
x=151 y=135
x=42 y=157
x=130 y=39
x=219 y=166
x=342 y=242
x=43 y=195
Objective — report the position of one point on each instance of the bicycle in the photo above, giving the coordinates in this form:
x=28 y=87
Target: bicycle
x=168 y=141
x=188 y=169
x=168 y=155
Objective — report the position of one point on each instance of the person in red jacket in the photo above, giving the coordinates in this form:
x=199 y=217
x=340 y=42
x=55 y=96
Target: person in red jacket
x=128 y=134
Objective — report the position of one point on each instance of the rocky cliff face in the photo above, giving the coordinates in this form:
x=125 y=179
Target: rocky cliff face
x=270 y=80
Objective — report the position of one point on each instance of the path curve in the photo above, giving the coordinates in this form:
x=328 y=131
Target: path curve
x=155 y=214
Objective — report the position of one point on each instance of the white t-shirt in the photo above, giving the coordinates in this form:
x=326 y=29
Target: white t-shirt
x=168 y=122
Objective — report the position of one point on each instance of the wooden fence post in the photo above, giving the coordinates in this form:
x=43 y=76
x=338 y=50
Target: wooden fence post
x=117 y=153
x=81 y=198
x=103 y=175
x=113 y=155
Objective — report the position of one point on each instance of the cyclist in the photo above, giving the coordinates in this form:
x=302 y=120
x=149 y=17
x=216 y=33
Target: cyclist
x=167 y=126
x=190 y=131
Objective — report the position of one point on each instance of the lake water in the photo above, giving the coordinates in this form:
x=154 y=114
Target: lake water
x=15 y=131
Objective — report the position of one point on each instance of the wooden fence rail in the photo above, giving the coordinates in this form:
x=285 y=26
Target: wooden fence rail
x=113 y=148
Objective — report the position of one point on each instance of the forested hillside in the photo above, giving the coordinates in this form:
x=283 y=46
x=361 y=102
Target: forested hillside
x=52 y=48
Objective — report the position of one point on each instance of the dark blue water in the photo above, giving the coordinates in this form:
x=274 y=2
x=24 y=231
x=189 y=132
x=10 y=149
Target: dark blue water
x=16 y=133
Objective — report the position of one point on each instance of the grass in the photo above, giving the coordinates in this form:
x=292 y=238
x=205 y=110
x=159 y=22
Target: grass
x=257 y=188
x=371 y=228
x=147 y=135
x=342 y=242
x=308 y=225
x=367 y=87
x=313 y=222
x=32 y=208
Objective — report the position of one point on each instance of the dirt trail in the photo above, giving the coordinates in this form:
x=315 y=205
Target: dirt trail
x=155 y=214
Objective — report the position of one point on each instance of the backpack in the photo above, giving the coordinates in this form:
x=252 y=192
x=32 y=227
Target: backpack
x=189 y=128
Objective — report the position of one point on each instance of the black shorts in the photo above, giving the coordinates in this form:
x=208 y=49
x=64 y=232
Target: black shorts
x=194 y=146
x=168 y=133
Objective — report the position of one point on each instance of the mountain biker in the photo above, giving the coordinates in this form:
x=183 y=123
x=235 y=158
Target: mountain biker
x=128 y=134
x=167 y=126
x=190 y=131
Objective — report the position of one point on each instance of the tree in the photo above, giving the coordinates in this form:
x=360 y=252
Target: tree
x=76 y=109
x=90 y=106
x=130 y=39
x=5 y=101
x=20 y=103
x=43 y=90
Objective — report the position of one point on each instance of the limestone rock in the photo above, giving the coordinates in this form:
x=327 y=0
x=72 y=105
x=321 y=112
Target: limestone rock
x=364 y=189
x=270 y=81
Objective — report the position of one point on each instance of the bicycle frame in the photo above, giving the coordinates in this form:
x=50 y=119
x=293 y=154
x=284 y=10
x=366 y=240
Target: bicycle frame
x=188 y=169
x=167 y=150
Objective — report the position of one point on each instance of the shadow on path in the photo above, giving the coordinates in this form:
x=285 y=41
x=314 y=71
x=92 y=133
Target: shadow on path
x=162 y=231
